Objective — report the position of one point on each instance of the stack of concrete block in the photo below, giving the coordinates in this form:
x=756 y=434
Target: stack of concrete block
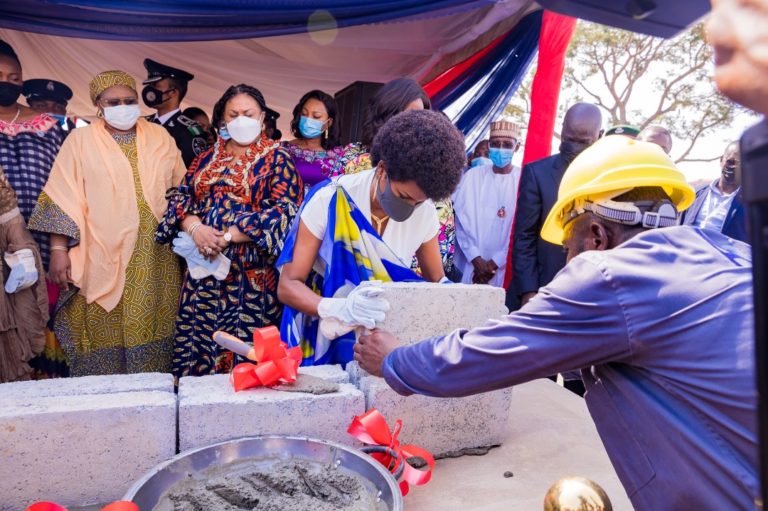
x=84 y=440
x=210 y=411
x=420 y=311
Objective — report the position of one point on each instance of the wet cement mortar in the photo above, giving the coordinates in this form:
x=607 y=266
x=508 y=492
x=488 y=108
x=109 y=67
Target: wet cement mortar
x=297 y=485
x=309 y=385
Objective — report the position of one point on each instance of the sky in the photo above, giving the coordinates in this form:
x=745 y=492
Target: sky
x=709 y=146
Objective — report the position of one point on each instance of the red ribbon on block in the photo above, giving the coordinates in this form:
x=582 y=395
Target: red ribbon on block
x=122 y=505
x=275 y=362
x=371 y=428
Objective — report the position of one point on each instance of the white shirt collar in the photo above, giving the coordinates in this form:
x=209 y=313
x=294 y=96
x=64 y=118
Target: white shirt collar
x=164 y=118
x=716 y=189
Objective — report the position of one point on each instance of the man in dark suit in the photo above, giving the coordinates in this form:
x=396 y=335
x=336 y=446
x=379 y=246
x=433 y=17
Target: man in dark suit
x=535 y=262
x=718 y=205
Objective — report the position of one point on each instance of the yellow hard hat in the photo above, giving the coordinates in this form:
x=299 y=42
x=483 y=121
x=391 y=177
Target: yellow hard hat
x=615 y=164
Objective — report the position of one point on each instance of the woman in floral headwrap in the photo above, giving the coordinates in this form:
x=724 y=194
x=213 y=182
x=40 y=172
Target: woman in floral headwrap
x=101 y=206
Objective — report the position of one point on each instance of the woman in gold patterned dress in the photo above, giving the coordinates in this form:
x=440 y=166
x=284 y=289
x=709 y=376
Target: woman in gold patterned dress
x=101 y=206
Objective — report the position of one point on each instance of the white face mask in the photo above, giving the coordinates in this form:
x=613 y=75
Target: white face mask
x=244 y=130
x=122 y=117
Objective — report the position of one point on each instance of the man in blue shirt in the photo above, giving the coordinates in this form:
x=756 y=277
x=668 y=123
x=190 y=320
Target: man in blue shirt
x=660 y=321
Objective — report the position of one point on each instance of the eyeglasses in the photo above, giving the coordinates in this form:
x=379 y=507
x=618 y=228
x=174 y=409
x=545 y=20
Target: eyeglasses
x=109 y=102
x=503 y=144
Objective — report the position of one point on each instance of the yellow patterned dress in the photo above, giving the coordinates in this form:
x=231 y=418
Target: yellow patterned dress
x=137 y=335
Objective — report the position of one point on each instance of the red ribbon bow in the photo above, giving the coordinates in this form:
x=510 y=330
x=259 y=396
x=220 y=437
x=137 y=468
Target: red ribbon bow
x=122 y=505
x=371 y=428
x=276 y=363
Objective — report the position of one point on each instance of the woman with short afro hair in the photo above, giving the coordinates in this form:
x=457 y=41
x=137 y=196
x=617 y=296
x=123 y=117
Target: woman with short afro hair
x=425 y=154
x=369 y=226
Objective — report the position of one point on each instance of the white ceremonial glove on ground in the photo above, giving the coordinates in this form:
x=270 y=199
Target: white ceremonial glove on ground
x=23 y=270
x=362 y=307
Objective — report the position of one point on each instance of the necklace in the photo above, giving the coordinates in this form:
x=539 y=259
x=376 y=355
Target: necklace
x=378 y=221
x=124 y=138
x=15 y=117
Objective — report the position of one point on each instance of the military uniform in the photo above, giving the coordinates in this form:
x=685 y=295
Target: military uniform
x=189 y=136
x=187 y=133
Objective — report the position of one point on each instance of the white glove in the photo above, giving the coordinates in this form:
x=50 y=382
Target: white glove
x=362 y=307
x=200 y=267
x=23 y=270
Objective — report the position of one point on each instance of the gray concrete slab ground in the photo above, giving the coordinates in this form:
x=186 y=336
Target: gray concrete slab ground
x=551 y=436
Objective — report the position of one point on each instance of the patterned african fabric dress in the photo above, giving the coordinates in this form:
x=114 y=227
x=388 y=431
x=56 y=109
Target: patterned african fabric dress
x=259 y=192
x=137 y=335
x=27 y=152
x=317 y=166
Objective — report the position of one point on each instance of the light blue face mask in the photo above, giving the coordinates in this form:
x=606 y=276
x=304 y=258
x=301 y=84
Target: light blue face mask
x=61 y=118
x=310 y=128
x=224 y=133
x=500 y=156
x=481 y=161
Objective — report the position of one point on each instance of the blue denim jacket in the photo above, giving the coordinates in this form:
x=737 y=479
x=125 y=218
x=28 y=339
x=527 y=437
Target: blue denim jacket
x=662 y=329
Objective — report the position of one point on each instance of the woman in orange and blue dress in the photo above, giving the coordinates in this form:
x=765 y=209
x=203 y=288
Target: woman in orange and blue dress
x=237 y=200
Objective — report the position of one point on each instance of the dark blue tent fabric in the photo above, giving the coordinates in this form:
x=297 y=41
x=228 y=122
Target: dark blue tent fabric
x=492 y=80
x=208 y=20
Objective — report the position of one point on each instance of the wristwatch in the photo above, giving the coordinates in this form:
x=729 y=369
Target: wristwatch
x=228 y=237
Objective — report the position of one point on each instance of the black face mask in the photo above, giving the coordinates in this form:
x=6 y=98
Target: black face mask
x=9 y=93
x=153 y=97
x=570 y=150
x=729 y=170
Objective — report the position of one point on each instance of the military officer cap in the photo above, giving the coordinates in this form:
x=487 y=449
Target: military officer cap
x=44 y=89
x=623 y=129
x=270 y=114
x=157 y=71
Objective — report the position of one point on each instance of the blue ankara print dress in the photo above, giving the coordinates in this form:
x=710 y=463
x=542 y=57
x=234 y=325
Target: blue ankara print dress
x=260 y=193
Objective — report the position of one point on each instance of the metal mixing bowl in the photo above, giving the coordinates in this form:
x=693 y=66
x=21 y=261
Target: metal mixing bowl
x=148 y=490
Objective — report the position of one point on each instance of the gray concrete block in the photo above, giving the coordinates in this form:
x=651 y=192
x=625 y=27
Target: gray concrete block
x=420 y=311
x=423 y=310
x=80 y=450
x=211 y=411
x=441 y=425
x=85 y=385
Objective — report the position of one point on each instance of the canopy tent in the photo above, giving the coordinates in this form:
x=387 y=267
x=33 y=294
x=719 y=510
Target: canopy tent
x=422 y=40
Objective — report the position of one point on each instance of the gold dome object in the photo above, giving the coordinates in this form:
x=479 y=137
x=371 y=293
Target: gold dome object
x=576 y=494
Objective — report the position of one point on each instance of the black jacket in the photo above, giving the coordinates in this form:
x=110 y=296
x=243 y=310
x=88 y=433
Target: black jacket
x=735 y=225
x=188 y=135
x=535 y=262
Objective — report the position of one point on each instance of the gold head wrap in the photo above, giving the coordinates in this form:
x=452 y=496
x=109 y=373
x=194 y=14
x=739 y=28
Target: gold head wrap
x=107 y=79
